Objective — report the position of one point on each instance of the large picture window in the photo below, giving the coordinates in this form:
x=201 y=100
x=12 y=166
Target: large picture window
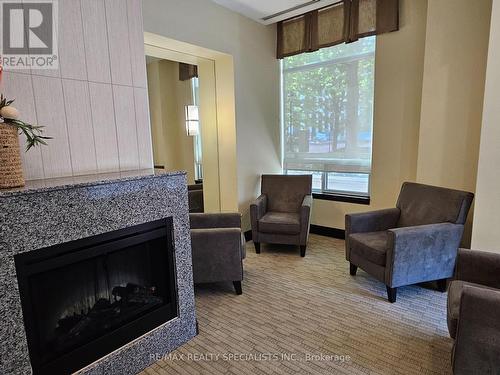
x=327 y=105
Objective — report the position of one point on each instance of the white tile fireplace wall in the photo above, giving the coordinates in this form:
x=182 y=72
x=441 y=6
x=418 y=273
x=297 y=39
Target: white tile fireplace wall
x=95 y=105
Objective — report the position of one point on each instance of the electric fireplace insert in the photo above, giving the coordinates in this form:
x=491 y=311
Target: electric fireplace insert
x=84 y=299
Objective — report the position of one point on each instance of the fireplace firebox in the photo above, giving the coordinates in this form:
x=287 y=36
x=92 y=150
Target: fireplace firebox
x=84 y=299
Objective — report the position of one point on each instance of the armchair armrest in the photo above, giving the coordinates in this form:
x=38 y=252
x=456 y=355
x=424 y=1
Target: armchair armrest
x=373 y=221
x=217 y=255
x=257 y=209
x=477 y=348
x=215 y=220
x=478 y=267
x=421 y=253
x=305 y=219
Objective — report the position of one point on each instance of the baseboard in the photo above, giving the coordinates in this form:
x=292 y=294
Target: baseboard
x=315 y=229
x=327 y=231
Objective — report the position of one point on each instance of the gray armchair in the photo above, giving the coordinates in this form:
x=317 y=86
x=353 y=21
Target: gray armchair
x=283 y=211
x=474 y=313
x=218 y=248
x=415 y=242
x=195 y=198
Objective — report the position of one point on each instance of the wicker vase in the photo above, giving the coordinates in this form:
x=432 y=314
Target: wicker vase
x=11 y=167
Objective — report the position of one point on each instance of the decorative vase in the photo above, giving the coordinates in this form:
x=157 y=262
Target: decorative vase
x=11 y=167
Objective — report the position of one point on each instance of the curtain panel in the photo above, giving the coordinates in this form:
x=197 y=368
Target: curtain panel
x=187 y=71
x=342 y=22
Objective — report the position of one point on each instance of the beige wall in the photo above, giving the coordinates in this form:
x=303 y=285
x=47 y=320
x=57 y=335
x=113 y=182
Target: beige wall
x=428 y=103
x=415 y=135
x=398 y=84
x=172 y=147
x=452 y=95
x=256 y=72
x=486 y=233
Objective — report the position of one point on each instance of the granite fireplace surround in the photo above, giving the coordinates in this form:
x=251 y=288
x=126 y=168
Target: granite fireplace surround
x=53 y=212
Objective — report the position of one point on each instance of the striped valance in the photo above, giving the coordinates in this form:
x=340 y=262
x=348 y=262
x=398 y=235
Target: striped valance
x=342 y=22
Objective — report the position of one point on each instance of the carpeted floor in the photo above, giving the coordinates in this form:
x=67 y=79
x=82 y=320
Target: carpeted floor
x=309 y=316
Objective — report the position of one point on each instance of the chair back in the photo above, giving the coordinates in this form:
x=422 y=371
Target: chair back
x=285 y=193
x=424 y=204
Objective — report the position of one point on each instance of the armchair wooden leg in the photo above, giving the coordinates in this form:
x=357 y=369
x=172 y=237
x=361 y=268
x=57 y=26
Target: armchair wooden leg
x=303 y=251
x=353 y=269
x=391 y=294
x=441 y=285
x=237 y=287
x=257 y=247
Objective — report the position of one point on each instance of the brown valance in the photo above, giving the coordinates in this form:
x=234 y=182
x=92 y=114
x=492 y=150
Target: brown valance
x=342 y=22
x=187 y=71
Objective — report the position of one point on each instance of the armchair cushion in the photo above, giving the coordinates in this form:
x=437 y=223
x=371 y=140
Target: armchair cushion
x=285 y=193
x=424 y=204
x=280 y=223
x=371 y=246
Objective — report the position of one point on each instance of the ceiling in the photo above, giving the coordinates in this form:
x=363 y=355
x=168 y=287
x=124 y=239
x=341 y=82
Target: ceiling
x=271 y=11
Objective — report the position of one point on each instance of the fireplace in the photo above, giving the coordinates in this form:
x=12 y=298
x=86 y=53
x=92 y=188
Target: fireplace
x=84 y=299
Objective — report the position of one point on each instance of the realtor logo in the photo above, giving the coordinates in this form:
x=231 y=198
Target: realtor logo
x=28 y=34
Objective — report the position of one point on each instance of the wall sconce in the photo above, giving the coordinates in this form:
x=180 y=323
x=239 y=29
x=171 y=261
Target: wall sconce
x=192 y=120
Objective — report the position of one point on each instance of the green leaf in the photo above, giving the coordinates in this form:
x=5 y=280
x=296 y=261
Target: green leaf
x=31 y=132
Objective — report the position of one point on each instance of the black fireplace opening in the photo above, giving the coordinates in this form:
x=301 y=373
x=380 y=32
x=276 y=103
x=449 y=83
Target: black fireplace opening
x=84 y=299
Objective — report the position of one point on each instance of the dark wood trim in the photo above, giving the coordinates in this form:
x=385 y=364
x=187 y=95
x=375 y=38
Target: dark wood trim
x=342 y=198
x=327 y=231
x=441 y=285
x=353 y=269
x=315 y=229
x=257 y=247
x=391 y=294
x=237 y=287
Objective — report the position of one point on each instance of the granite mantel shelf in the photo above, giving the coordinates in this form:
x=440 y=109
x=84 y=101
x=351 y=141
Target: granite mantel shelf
x=54 y=211
x=38 y=186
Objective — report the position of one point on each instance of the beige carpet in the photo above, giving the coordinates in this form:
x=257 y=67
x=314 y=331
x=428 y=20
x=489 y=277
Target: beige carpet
x=296 y=314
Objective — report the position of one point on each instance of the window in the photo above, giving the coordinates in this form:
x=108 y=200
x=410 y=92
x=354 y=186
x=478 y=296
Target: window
x=327 y=116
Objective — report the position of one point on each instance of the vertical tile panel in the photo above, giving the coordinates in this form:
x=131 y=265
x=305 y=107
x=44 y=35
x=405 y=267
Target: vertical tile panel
x=143 y=128
x=71 y=46
x=96 y=40
x=18 y=86
x=80 y=131
x=100 y=41
x=126 y=127
x=51 y=114
x=136 y=34
x=23 y=51
x=103 y=118
x=118 y=39
x=57 y=48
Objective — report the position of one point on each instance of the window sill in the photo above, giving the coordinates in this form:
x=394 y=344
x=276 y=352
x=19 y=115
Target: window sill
x=356 y=199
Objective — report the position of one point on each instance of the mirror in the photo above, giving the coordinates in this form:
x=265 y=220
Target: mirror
x=216 y=157
x=174 y=97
